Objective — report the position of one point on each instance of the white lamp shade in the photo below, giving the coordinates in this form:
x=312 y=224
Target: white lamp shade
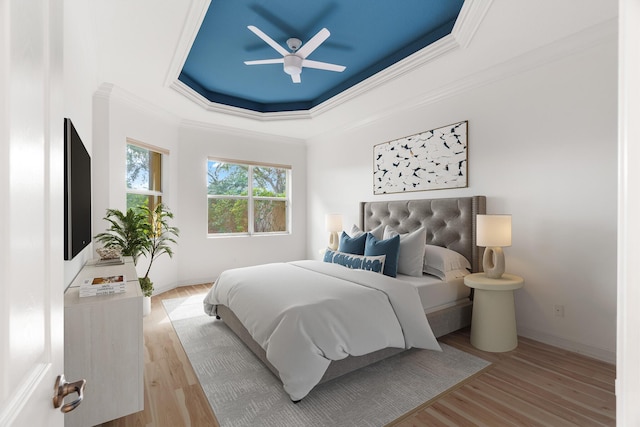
x=333 y=222
x=493 y=230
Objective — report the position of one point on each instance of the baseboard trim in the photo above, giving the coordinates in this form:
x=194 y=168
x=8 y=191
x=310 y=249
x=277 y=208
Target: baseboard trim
x=565 y=344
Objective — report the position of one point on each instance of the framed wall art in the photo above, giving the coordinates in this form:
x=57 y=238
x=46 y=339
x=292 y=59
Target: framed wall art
x=431 y=160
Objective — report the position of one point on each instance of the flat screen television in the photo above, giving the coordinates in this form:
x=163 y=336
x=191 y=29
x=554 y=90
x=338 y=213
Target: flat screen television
x=77 y=193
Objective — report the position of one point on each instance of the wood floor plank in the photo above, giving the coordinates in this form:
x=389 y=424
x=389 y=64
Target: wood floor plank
x=490 y=404
x=508 y=408
x=467 y=405
x=533 y=385
x=545 y=411
x=574 y=391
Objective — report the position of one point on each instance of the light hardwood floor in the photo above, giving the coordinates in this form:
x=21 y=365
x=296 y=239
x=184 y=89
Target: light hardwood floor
x=533 y=385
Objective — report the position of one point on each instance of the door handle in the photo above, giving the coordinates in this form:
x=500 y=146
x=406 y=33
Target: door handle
x=62 y=389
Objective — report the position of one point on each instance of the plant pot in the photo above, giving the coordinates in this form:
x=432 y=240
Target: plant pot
x=146 y=286
x=146 y=306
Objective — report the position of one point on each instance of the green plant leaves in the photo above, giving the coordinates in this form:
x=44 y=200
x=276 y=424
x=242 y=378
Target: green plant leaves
x=141 y=231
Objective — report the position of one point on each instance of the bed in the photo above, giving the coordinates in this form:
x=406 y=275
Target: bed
x=444 y=305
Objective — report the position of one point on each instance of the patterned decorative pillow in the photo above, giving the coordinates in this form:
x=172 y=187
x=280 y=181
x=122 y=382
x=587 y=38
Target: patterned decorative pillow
x=359 y=262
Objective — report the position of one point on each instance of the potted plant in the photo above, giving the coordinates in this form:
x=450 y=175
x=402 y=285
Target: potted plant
x=125 y=232
x=159 y=235
x=141 y=231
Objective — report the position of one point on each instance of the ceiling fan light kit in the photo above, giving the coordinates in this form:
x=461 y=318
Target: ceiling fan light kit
x=295 y=60
x=292 y=65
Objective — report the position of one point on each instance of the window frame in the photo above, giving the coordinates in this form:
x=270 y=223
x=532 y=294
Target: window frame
x=155 y=195
x=250 y=197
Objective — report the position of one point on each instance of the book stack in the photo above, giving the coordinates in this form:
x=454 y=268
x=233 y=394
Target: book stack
x=107 y=285
x=110 y=261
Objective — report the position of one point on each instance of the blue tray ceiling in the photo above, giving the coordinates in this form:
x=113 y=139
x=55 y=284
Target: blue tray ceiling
x=366 y=37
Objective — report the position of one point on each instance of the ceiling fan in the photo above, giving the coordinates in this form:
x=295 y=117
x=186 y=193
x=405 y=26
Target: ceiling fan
x=296 y=59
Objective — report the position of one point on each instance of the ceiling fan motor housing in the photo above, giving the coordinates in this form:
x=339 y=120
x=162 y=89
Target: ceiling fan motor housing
x=292 y=64
x=294 y=44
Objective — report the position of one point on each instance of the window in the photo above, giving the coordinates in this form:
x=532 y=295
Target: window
x=144 y=175
x=245 y=198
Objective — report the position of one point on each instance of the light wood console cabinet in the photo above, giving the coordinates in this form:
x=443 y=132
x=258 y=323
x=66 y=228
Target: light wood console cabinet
x=103 y=343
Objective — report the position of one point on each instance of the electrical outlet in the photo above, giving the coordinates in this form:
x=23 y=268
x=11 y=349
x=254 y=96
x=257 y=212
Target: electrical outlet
x=558 y=310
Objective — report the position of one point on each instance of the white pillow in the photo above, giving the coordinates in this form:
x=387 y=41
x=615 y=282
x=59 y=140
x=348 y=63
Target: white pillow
x=445 y=263
x=377 y=232
x=412 y=247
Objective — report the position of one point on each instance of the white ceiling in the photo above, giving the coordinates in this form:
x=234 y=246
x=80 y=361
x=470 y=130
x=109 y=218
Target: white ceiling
x=140 y=43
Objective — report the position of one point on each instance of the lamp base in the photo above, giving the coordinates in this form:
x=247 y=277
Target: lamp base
x=493 y=262
x=333 y=241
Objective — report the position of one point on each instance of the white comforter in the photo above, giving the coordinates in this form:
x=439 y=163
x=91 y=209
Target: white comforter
x=306 y=313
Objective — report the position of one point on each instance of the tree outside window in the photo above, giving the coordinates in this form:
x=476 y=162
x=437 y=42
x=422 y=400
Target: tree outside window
x=144 y=177
x=247 y=198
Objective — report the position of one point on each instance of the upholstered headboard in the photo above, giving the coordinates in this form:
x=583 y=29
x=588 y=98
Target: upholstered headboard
x=450 y=222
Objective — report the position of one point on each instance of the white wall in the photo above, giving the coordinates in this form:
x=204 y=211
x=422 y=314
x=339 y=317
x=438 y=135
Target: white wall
x=202 y=258
x=119 y=115
x=80 y=77
x=542 y=146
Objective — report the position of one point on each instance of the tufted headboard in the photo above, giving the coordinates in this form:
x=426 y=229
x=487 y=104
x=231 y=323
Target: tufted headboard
x=450 y=222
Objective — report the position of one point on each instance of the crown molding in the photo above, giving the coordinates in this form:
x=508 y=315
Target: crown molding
x=469 y=19
x=111 y=92
x=104 y=91
x=471 y=16
x=204 y=103
x=558 y=50
x=538 y=57
x=429 y=53
x=233 y=131
x=192 y=23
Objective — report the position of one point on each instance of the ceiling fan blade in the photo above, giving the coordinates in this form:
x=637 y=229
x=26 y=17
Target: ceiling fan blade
x=323 y=66
x=265 y=61
x=268 y=40
x=295 y=78
x=312 y=44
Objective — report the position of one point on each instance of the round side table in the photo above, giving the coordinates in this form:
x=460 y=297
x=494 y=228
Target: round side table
x=493 y=321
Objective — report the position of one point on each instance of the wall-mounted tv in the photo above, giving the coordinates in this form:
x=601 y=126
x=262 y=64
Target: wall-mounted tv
x=77 y=193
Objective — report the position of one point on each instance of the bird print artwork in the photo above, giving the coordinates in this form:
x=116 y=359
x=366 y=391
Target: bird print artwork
x=430 y=160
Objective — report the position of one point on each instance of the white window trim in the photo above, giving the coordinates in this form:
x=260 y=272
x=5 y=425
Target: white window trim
x=140 y=144
x=144 y=192
x=250 y=198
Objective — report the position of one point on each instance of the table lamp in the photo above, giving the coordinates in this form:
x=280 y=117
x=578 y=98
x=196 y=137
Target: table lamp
x=494 y=233
x=333 y=224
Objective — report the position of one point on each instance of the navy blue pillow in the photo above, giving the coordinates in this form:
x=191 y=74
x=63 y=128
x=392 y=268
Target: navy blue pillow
x=389 y=247
x=352 y=245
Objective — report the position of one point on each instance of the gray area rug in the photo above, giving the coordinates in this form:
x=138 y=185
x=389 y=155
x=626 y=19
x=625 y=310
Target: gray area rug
x=243 y=392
